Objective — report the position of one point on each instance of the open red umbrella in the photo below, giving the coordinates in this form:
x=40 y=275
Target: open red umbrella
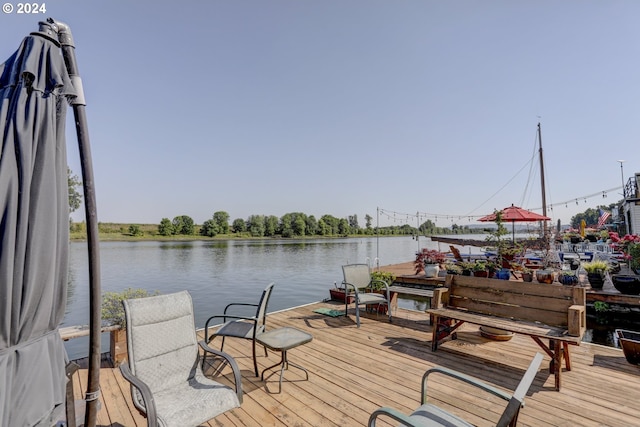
x=515 y=214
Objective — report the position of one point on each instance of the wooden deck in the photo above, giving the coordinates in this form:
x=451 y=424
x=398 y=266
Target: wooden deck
x=354 y=371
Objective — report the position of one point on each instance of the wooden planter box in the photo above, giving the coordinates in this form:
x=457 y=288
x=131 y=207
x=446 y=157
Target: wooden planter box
x=339 y=295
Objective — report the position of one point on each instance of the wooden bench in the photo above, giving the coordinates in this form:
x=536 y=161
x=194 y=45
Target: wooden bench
x=396 y=290
x=544 y=312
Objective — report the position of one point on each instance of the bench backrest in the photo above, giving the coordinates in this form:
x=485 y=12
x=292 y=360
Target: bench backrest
x=528 y=301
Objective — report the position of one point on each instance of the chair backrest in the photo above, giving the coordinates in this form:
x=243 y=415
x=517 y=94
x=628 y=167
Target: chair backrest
x=356 y=275
x=261 y=314
x=161 y=339
x=456 y=253
x=517 y=399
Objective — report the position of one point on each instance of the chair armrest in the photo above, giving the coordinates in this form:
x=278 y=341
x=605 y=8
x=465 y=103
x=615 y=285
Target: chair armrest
x=224 y=318
x=462 y=377
x=241 y=304
x=394 y=414
x=348 y=285
x=147 y=397
x=231 y=361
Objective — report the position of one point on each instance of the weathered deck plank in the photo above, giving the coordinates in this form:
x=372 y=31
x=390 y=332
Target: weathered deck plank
x=354 y=371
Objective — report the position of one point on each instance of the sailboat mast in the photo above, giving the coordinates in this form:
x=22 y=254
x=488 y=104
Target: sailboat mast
x=542 y=187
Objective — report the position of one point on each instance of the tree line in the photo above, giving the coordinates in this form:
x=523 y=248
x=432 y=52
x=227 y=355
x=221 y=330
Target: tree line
x=293 y=224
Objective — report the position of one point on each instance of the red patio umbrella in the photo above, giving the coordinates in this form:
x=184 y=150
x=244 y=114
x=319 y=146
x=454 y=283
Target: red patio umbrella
x=515 y=214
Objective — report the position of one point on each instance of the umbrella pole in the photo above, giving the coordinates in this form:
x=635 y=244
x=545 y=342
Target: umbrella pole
x=82 y=132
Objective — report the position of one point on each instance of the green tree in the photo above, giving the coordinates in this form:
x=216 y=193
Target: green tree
x=323 y=228
x=75 y=198
x=286 y=225
x=256 y=225
x=332 y=223
x=271 y=226
x=135 y=230
x=312 y=226
x=238 y=226
x=367 y=221
x=221 y=219
x=183 y=224
x=298 y=223
x=166 y=227
x=209 y=228
x=343 y=227
x=353 y=223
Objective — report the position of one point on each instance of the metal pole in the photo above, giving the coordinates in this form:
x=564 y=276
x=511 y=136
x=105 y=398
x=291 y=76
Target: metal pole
x=624 y=195
x=82 y=131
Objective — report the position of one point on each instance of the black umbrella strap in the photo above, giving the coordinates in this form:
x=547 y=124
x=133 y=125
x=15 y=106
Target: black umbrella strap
x=92 y=396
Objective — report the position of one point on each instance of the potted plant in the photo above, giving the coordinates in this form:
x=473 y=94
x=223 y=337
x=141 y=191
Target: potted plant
x=596 y=271
x=480 y=268
x=453 y=268
x=568 y=277
x=467 y=267
x=546 y=275
x=527 y=274
x=429 y=261
x=113 y=315
x=377 y=277
x=601 y=308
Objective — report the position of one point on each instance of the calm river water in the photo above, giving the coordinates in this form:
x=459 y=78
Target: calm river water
x=219 y=272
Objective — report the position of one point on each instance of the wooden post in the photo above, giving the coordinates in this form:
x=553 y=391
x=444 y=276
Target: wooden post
x=118 y=346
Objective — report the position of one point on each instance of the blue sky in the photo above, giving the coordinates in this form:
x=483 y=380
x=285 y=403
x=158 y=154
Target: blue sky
x=342 y=107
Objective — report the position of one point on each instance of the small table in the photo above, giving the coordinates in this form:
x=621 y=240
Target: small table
x=283 y=339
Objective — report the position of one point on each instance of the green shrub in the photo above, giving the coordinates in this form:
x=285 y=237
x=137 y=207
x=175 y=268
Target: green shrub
x=112 y=308
x=385 y=276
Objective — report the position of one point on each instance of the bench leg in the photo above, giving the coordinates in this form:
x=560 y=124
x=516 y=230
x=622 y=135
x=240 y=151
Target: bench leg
x=434 y=333
x=557 y=350
x=394 y=301
x=442 y=328
x=567 y=356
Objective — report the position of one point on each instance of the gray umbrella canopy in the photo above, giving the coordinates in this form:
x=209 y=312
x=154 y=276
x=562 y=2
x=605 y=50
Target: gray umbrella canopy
x=34 y=226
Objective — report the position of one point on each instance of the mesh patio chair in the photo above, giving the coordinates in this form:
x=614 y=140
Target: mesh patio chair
x=167 y=382
x=358 y=283
x=238 y=326
x=429 y=414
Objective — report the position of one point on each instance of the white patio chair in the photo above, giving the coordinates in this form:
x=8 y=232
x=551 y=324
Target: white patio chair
x=357 y=279
x=167 y=382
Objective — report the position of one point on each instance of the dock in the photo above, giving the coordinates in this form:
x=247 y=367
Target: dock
x=354 y=371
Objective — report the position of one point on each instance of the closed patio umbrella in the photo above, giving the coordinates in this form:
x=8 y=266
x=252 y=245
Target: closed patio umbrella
x=35 y=86
x=515 y=214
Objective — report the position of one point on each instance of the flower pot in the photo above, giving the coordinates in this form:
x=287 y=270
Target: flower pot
x=626 y=284
x=466 y=272
x=527 y=277
x=630 y=343
x=339 y=295
x=503 y=274
x=545 y=276
x=431 y=270
x=596 y=280
x=377 y=308
x=481 y=273
x=568 y=280
x=495 y=333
